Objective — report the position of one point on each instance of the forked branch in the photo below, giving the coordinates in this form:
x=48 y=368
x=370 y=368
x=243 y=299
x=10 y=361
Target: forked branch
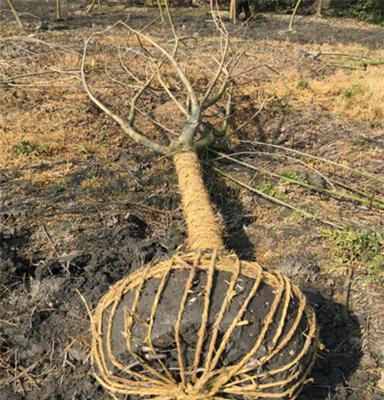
x=125 y=125
x=194 y=112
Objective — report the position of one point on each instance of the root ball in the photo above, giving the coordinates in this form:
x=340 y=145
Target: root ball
x=204 y=326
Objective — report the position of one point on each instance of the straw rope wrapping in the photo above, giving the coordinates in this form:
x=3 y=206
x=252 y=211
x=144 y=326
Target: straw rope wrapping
x=203 y=230
x=208 y=380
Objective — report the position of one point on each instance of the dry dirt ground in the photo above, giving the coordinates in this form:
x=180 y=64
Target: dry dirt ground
x=82 y=205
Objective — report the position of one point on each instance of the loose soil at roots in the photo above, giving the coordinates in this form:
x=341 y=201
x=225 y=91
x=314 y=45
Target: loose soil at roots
x=82 y=206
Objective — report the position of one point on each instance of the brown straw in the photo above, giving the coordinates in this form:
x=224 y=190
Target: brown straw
x=203 y=230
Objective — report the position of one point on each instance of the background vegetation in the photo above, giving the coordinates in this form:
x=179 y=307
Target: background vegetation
x=365 y=10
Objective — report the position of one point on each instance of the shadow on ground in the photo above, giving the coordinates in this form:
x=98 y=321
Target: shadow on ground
x=337 y=362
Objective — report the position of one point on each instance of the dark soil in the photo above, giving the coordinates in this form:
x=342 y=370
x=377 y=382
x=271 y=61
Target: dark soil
x=242 y=339
x=44 y=320
x=61 y=244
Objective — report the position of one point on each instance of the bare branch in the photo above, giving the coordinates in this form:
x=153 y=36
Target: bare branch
x=170 y=19
x=218 y=73
x=213 y=100
x=228 y=78
x=14 y=12
x=170 y=94
x=144 y=49
x=128 y=71
x=275 y=200
x=247 y=71
x=116 y=80
x=58 y=9
x=160 y=7
x=127 y=127
x=228 y=112
x=132 y=112
x=184 y=79
x=150 y=23
x=153 y=52
x=290 y=28
x=158 y=124
x=215 y=12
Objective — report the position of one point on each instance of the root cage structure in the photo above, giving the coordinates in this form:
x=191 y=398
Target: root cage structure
x=165 y=331
x=186 y=353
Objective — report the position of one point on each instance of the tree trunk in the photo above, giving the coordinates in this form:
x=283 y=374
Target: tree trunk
x=203 y=229
x=290 y=28
x=232 y=11
x=58 y=9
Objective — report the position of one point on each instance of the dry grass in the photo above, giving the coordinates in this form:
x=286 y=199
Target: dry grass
x=355 y=95
x=51 y=113
x=350 y=88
